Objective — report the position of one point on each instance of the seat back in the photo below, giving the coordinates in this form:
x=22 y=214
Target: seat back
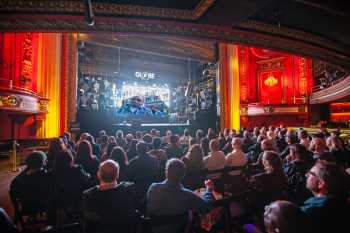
x=166 y=223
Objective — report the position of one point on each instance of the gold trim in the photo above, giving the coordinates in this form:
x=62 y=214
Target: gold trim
x=74 y=7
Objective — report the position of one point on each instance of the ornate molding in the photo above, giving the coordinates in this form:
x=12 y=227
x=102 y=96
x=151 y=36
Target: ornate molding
x=22 y=103
x=103 y=9
x=335 y=92
x=218 y=33
x=293 y=34
x=267 y=110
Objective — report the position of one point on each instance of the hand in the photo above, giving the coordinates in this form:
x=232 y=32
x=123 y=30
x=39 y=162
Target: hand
x=209 y=184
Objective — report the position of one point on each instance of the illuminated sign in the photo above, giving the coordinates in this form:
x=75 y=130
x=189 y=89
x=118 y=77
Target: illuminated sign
x=144 y=75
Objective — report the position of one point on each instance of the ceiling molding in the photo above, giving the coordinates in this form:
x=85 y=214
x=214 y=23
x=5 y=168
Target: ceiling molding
x=103 y=9
x=160 y=27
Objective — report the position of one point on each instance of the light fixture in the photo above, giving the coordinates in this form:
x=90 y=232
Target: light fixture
x=271 y=80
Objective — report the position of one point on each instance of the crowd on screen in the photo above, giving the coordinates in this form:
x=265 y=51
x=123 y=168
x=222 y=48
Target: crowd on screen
x=299 y=180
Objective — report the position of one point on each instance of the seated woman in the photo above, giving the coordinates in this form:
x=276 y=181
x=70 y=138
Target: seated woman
x=70 y=181
x=86 y=159
x=119 y=155
x=158 y=153
x=272 y=183
x=194 y=164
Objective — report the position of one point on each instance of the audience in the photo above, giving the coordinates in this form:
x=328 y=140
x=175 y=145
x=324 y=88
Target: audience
x=321 y=190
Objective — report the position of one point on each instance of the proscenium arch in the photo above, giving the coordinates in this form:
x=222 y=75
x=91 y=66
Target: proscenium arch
x=250 y=33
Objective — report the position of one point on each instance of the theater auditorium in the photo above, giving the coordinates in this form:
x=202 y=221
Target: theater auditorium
x=186 y=116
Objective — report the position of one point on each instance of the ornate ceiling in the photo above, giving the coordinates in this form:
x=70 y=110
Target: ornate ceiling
x=315 y=28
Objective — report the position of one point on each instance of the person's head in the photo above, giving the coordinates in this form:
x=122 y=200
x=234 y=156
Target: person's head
x=195 y=155
x=284 y=217
x=157 y=142
x=175 y=170
x=84 y=150
x=214 y=145
x=236 y=143
x=291 y=138
x=199 y=134
x=246 y=134
x=334 y=143
x=271 y=135
x=83 y=136
x=318 y=145
x=186 y=132
x=205 y=144
x=168 y=133
x=147 y=138
x=302 y=134
x=272 y=162
x=111 y=139
x=138 y=135
x=56 y=145
x=327 y=179
x=104 y=139
x=256 y=131
x=108 y=171
x=118 y=155
x=63 y=161
x=227 y=132
x=141 y=148
x=263 y=131
x=101 y=133
x=267 y=145
x=91 y=139
x=129 y=137
x=36 y=160
x=174 y=139
x=68 y=136
x=298 y=152
x=211 y=133
x=119 y=134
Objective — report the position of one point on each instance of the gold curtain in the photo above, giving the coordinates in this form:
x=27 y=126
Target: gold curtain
x=229 y=86
x=49 y=80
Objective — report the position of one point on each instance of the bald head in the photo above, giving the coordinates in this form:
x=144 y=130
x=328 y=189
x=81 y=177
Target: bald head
x=108 y=171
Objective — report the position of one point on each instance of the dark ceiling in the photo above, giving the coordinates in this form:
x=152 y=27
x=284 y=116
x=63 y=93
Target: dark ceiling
x=317 y=28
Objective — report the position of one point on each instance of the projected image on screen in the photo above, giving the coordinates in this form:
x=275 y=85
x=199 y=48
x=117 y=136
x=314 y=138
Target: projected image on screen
x=139 y=101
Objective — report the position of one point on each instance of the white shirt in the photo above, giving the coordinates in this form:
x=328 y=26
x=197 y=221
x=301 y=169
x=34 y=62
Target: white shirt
x=236 y=158
x=215 y=160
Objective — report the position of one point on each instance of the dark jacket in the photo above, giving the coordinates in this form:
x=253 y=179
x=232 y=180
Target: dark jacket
x=109 y=209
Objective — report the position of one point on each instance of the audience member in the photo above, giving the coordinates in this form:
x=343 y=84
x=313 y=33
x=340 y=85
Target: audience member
x=96 y=150
x=194 y=166
x=56 y=146
x=184 y=139
x=285 y=217
x=120 y=139
x=170 y=198
x=204 y=143
x=236 y=157
x=86 y=159
x=119 y=156
x=158 y=153
x=109 y=206
x=131 y=151
x=174 y=150
x=31 y=189
x=328 y=209
x=215 y=160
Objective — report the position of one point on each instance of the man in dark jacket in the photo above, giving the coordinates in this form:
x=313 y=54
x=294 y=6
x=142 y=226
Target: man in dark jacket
x=109 y=206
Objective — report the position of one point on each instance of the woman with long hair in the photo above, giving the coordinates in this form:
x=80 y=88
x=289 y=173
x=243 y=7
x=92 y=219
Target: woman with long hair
x=119 y=155
x=194 y=164
x=56 y=146
x=86 y=159
x=132 y=152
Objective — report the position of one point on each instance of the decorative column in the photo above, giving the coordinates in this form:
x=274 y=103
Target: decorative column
x=229 y=86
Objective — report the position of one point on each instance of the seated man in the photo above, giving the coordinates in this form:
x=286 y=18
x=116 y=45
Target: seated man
x=31 y=188
x=108 y=206
x=328 y=209
x=170 y=198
